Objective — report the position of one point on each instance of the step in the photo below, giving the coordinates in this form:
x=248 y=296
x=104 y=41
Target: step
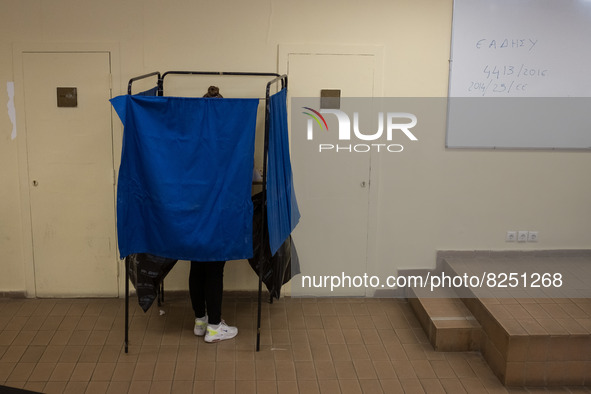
x=530 y=341
x=448 y=324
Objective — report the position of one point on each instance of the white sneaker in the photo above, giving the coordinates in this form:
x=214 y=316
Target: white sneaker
x=220 y=332
x=200 y=326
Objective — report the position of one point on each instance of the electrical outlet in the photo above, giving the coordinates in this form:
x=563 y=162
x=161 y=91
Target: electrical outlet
x=532 y=236
x=511 y=236
x=522 y=236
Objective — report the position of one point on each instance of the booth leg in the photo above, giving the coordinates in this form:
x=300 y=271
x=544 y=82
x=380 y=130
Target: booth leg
x=259 y=307
x=126 y=304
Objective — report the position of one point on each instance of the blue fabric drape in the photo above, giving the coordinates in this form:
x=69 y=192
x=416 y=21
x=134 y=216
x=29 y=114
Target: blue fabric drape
x=282 y=208
x=185 y=177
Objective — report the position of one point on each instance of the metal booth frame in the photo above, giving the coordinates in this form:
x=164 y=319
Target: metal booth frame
x=264 y=236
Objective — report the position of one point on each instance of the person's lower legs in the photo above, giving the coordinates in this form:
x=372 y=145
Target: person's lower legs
x=214 y=290
x=197 y=284
x=206 y=285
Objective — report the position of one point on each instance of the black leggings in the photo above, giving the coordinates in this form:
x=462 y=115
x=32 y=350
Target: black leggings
x=206 y=287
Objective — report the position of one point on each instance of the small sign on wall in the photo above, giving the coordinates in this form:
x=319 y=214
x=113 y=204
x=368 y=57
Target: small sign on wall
x=330 y=99
x=67 y=97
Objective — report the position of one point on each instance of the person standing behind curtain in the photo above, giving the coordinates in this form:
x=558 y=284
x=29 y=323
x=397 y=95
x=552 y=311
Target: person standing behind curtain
x=206 y=288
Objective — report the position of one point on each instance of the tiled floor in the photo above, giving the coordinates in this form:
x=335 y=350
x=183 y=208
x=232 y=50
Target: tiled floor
x=307 y=346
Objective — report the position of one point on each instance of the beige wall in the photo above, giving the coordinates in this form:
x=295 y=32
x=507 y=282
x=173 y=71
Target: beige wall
x=429 y=198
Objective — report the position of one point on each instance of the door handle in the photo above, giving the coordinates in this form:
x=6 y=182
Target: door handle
x=363 y=184
x=35 y=183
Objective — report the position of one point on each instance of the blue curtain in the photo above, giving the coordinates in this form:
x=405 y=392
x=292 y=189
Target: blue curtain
x=282 y=208
x=185 y=177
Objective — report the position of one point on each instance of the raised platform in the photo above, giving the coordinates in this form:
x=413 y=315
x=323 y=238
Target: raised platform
x=529 y=336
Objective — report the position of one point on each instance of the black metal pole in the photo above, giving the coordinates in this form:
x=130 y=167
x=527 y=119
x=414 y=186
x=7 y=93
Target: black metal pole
x=126 y=304
x=132 y=80
x=263 y=246
x=221 y=73
x=264 y=234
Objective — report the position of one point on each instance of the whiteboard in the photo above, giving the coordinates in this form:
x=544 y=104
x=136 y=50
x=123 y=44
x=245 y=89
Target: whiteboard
x=520 y=74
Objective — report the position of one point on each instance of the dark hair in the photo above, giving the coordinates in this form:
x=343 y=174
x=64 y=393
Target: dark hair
x=213 y=91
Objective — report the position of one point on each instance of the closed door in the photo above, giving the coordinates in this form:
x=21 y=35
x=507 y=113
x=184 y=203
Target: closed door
x=71 y=177
x=332 y=188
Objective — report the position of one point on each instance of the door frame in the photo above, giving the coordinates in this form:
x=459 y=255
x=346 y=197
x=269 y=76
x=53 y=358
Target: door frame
x=377 y=52
x=23 y=160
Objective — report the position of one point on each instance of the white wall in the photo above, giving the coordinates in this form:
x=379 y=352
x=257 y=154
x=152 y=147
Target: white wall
x=429 y=198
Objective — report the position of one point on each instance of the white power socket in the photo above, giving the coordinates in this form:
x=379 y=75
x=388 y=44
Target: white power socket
x=532 y=236
x=511 y=236
x=522 y=236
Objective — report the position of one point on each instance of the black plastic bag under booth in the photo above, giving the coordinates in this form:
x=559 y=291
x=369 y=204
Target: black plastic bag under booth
x=146 y=272
x=277 y=269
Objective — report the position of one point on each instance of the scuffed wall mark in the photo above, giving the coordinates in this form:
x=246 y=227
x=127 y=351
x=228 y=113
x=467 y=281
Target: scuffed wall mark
x=11 y=109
